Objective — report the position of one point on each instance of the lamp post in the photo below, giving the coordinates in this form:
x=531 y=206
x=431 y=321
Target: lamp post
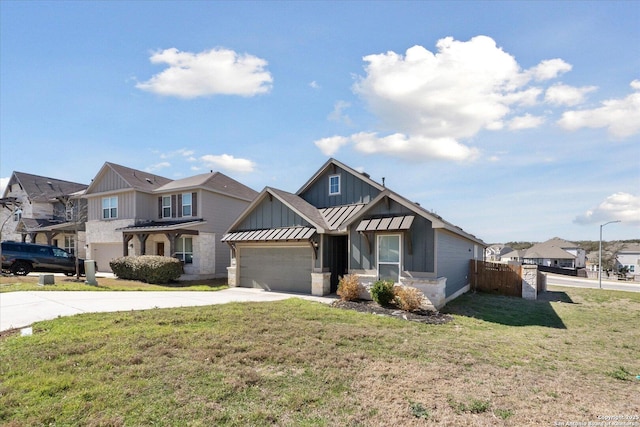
x=15 y=211
x=600 y=253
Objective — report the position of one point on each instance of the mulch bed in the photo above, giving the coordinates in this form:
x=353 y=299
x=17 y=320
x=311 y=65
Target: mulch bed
x=372 y=307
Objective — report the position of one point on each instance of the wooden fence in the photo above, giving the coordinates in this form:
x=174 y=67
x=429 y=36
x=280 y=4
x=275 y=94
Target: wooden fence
x=496 y=278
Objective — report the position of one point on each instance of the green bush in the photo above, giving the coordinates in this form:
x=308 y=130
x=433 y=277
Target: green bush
x=349 y=288
x=382 y=292
x=147 y=268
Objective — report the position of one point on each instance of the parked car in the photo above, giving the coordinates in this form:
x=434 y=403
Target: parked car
x=23 y=258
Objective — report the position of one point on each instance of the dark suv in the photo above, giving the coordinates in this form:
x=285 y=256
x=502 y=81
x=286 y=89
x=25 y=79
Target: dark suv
x=23 y=258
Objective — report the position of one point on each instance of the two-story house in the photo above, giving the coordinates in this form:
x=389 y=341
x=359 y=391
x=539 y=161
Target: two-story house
x=132 y=212
x=341 y=221
x=51 y=212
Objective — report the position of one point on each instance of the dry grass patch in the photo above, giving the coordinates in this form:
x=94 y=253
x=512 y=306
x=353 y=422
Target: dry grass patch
x=501 y=361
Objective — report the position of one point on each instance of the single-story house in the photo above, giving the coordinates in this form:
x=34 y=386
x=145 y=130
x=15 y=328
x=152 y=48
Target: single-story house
x=341 y=221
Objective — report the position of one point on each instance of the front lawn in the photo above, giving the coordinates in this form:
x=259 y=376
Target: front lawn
x=572 y=357
x=30 y=283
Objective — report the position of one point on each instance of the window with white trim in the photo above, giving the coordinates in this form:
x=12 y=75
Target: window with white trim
x=109 y=207
x=186 y=204
x=166 y=206
x=184 y=249
x=334 y=185
x=389 y=257
x=70 y=244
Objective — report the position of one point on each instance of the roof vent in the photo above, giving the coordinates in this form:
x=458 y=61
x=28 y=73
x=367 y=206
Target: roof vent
x=149 y=181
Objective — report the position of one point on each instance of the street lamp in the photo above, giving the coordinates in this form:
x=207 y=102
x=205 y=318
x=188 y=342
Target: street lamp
x=16 y=211
x=600 y=253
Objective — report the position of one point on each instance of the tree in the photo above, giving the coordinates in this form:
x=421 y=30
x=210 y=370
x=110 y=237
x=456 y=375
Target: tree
x=75 y=213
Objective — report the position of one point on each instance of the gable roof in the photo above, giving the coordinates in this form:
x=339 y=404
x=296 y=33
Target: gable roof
x=214 y=181
x=134 y=178
x=561 y=243
x=329 y=163
x=436 y=220
x=42 y=188
x=547 y=250
x=297 y=204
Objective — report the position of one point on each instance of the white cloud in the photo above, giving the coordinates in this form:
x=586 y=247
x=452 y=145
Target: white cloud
x=413 y=147
x=337 y=114
x=561 y=94
x=314 y=85
x=430 y=103
x=158 y=166
x=329 y=146
x=212 y=72
x=3 y=184
x=619 y=206
x=228 y=162
x=549 y=69
x=527 y=121
x=181 y=152
x=620 y=116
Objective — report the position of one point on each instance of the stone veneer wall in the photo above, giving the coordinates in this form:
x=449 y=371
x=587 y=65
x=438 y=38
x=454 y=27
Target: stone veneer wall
x=529 y=281
x=434 y=290
x=320 y=283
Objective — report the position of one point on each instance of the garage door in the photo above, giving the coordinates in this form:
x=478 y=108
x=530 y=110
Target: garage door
x=105 y=252
x=286 y=269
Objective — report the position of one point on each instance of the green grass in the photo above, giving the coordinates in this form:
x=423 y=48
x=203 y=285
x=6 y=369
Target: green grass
x=502 y=361
x=30 y=283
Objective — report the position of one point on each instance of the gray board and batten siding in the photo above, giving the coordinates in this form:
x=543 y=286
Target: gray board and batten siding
x=353 y=189
x=271 y=213
x=454 y=254
x=418 y=253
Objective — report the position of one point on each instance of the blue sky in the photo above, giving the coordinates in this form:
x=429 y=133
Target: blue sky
x=512 y=120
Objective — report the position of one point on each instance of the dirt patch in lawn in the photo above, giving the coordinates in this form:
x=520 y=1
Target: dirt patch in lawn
x=372 y=307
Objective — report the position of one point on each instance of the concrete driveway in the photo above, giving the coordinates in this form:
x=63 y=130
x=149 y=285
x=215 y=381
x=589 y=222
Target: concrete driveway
x=20 y=309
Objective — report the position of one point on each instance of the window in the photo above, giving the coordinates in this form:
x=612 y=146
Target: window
x=57 y=252
x=334 y=185
x=186 y=204
x=109 y=207
x=166 y=206
x=69 y=244
x=389 y=257
x=184 y=249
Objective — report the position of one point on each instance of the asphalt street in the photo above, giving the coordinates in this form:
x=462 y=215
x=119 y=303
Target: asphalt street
x=616 y=285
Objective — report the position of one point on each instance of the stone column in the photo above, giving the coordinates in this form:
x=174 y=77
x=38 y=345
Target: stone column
x=320 y=284
x=529 y=281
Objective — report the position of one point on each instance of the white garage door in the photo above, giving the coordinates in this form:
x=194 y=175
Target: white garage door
x=286 y=269
x=105 y=252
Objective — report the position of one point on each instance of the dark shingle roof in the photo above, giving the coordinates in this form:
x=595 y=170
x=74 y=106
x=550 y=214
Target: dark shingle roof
x=42 y=188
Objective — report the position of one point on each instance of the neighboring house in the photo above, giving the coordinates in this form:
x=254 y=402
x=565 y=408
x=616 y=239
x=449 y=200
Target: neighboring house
x=52 y=212
x=342 y=222
x=494 y=253
x=556 y=252
x=629 y=257
x=132 y=212
x=512 y=257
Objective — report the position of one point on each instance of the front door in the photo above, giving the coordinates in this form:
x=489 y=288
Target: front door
x=160 y=248
x=338 y=254
x=388 y=246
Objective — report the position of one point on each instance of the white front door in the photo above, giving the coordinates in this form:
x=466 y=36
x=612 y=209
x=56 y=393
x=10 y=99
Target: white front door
x=389 y=249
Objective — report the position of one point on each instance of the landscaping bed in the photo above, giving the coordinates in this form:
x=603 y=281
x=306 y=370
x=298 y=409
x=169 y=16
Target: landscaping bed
x=372 y=307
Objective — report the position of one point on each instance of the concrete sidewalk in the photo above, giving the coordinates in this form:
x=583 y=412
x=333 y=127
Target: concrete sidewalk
x=20 y=309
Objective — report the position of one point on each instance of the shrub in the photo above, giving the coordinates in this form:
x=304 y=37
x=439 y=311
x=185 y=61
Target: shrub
x=382 y=292
x=349 y=288
x=147 y=268
x=407 y=298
